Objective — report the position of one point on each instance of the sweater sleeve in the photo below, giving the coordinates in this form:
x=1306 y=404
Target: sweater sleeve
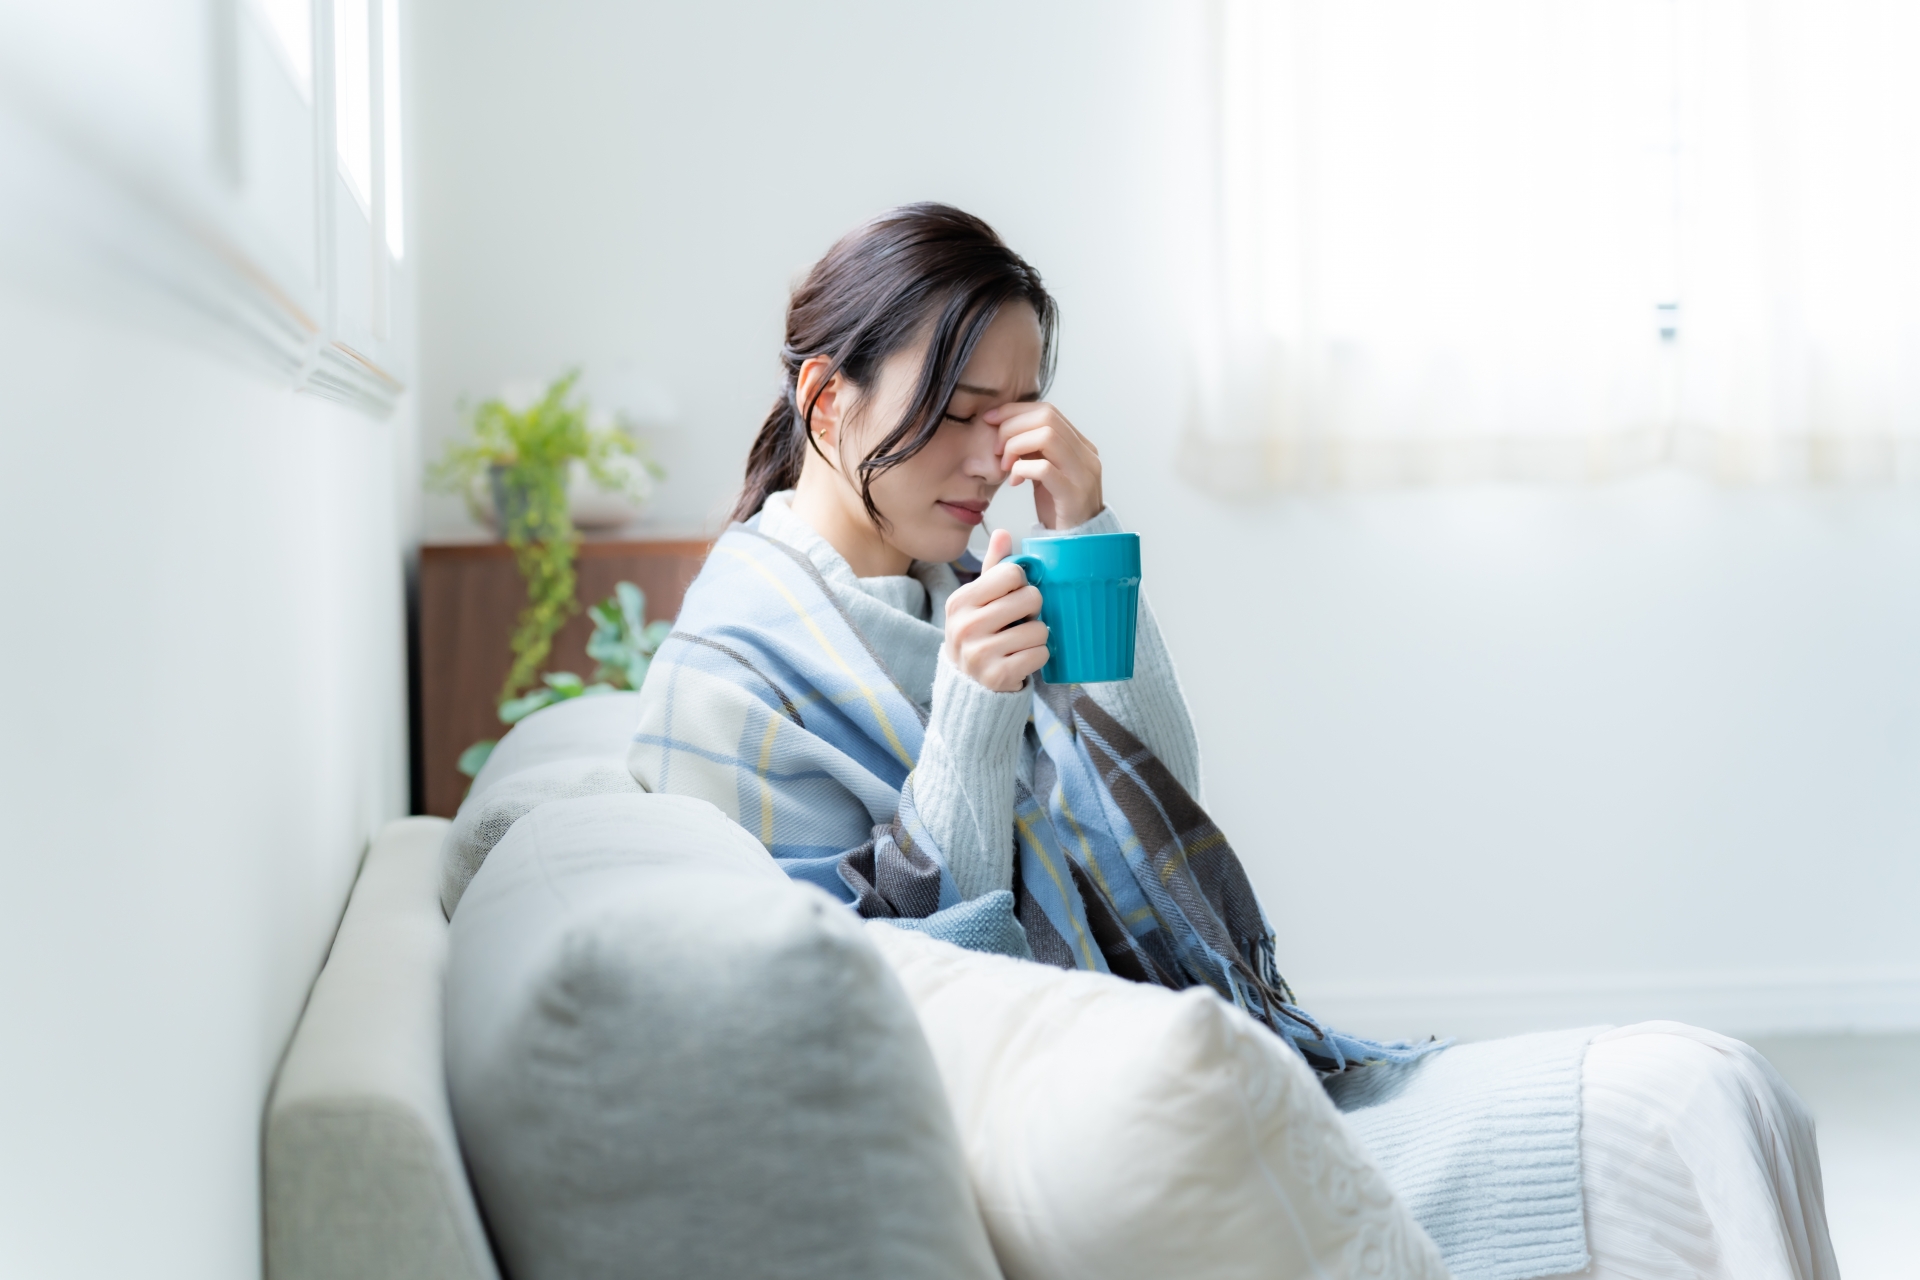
x=963 y=782
x=1151 y=705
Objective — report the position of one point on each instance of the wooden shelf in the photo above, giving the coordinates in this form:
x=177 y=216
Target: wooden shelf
x=470 y=593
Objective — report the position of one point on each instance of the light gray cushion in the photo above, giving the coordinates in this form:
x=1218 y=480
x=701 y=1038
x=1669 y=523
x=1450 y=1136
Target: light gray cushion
x=573 y=748
x=668 y=1060
x=363 y=1180
x=599 y=727
x=488 y=815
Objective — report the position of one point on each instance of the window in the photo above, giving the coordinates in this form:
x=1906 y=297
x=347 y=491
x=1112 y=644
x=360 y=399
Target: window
x=290 y=23
x=369 y=238
x=353 y=99
x=1501 y=239
x=239 y=173
x=390 y=117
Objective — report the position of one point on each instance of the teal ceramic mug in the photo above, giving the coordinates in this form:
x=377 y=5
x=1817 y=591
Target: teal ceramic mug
x=1089 y=599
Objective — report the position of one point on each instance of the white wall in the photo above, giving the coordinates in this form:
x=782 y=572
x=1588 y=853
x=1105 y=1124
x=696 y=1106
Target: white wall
x=203 y=635
x=1496 y=758
x=206 y=719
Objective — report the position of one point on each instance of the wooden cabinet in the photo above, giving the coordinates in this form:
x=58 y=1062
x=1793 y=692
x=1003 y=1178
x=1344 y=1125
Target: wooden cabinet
x=469 y=596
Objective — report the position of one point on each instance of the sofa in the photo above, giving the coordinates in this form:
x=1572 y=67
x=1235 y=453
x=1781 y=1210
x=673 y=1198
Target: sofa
x=585 y=1031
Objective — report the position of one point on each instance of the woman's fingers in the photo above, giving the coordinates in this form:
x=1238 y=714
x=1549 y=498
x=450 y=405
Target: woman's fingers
x=997 y=615
x=986 y=657
x=1002 y=579
x=1049 y=439
x=993 y=633
x=1037 y=443
x=1040 y=471
x=1038 y=427
x=1009 y=673
x=994 y=645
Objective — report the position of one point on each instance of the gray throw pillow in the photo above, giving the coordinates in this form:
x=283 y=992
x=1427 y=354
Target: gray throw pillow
x=600 y=727
x=668 y=1060
x=573 y=748
x=488 y=815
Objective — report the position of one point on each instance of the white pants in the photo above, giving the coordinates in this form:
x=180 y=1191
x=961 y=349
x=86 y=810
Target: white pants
x=1697 y=1162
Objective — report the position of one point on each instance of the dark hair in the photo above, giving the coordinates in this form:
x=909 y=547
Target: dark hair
x=916 y=267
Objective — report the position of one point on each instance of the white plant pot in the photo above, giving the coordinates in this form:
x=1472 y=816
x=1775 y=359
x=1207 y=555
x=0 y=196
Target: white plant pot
x=591 y=507
x=595 y=508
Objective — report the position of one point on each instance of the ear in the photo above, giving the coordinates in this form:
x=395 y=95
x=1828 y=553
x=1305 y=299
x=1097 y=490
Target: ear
x=832 y=399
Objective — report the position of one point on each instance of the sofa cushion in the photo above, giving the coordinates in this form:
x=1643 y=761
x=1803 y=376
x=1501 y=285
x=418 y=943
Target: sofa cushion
x=668 y=1059
x=362 y=1176
x=1120 y=1130
x=573 y=748
x=600 y=727
x=488 y=815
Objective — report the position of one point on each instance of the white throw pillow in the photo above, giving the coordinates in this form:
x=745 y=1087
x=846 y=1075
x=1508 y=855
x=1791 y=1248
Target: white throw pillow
x=1117 y=1130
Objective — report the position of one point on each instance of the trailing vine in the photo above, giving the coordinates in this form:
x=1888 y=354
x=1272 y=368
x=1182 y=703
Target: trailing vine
x=544 y=546
x=623 y=644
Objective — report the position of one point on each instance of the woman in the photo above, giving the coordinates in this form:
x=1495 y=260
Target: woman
x=866 y=699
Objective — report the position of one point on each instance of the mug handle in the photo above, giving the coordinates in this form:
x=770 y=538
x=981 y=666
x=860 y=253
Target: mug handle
x=1031 y=565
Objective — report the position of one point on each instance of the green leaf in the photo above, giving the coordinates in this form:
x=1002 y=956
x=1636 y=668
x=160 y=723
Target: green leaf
x=514 y=710
x=564 y=683
x=474 y=758
x=655 y=635
x=633 y=605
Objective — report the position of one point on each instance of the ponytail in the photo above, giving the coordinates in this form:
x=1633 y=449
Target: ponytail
x=774 y=461
x=915 y=269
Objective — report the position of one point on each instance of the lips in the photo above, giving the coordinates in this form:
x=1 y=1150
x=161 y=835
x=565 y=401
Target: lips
x=965 y=512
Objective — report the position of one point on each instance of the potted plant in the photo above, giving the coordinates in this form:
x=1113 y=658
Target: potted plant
x=623 y=644
x=526 y=457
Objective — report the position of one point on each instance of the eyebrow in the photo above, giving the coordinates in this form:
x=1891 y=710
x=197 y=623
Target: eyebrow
x=992 y=391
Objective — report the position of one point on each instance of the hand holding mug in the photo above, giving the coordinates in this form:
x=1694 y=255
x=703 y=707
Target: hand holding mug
x=993 y=633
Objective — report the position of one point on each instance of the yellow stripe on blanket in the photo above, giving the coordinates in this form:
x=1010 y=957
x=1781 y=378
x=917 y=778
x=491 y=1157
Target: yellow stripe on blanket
x=766 y=787
x=1039 y=847
x=1086 y=850
x=886 y=726
x=1189 y=850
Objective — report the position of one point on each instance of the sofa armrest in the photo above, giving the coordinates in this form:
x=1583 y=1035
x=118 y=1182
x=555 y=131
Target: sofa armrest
x=362 y=1174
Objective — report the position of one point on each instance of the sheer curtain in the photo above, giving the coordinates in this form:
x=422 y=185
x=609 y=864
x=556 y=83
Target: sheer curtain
x=1501 y=238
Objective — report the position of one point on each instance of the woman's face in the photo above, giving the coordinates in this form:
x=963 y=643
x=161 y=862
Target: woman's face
x=934 y=500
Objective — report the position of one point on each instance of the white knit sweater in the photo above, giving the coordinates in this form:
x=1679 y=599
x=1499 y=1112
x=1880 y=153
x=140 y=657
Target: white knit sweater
x=975 y=746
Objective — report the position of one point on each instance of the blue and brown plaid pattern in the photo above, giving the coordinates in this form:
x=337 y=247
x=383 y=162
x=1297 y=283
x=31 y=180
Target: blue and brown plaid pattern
x=768 y=702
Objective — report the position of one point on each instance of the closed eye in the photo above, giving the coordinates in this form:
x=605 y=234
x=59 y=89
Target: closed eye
x=954 y=417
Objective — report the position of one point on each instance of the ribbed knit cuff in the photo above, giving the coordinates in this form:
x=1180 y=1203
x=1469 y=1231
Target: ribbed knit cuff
x=1105 y=522
x=967 y=712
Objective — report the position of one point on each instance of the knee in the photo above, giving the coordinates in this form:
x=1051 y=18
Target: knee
x=1670 y=1068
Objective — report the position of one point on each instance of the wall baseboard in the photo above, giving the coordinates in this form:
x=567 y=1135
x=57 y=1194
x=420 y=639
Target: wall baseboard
x=1747 y=1005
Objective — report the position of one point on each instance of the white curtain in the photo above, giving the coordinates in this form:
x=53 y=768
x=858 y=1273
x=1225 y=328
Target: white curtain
x=1560 y=239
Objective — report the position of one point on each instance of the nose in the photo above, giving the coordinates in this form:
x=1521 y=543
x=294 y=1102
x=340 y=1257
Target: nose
x=983 y=454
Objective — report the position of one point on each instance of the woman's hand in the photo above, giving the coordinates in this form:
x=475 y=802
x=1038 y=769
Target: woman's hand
x=1037 y=443
x=993 y=635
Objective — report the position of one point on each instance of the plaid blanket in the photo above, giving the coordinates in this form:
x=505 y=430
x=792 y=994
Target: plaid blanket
x=768 y=702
